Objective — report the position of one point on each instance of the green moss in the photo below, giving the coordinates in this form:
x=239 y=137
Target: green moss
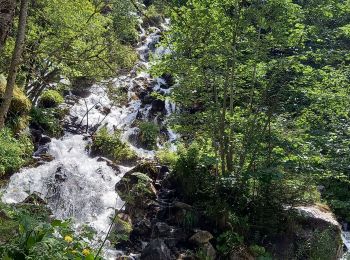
x=149 y=132
x=50 y=98
x=20 y=104
x=14 y=153
x=109 y=145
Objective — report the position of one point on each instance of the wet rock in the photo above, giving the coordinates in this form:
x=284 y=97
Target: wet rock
x=163 y=170
x=105 y=110
x=35 y=199
x=148 y=99
x=169 y=79
x=44 y=140
x=161 y=229
x=60 y=175
x=46 y=157
x=36 y=135
x=201 y=237
x=110 y=163
x=143 y=228
x=158 y=106
x=156 y=250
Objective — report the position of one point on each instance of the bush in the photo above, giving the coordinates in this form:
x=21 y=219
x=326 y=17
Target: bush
x=14 y=153
x=50 y=98
x=110 y=146
x=35 y=237
x=166 y=156
x=149 y=132
x=193 y=174
x=47 y=120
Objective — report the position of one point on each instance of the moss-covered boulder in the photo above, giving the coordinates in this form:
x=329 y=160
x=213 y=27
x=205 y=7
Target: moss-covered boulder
x=20 y=104
x=50 y=99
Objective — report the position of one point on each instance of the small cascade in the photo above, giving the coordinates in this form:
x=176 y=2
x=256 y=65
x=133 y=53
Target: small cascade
x=73 y=184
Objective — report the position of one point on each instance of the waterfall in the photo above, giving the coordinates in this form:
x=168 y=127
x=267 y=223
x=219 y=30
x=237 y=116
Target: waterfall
x=76 y=185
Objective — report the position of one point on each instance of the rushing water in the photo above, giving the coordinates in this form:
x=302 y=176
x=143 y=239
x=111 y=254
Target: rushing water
x=75 y=185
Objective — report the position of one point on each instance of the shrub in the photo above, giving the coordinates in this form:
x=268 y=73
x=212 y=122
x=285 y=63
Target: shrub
x=34 y=236
x=14 y=153
x=192 y=173
x=149 y=132
x=166 y=156
x=227 y=241
x=47 y=120
x=109 y=145
x=50 y=98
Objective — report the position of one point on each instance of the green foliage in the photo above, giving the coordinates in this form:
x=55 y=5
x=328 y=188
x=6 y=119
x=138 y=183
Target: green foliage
x=48 y=120
x=71 y=39
x=320 y=245
x=228 y=241
x=124 y=21
x=193 y=173
x=50 y=98
x=153 y=16
x=265 y=85
x=14 y=152
x=110 y=145
x=149 y=132
x=35 y=237
x=166 y=156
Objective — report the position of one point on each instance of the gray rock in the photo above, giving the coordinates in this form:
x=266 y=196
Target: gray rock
x=161 y=229
x=156 y=250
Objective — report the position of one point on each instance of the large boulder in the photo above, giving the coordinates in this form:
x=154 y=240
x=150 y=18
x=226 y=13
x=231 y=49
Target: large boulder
x=156 y=250
x=201 y=237
x=312 y=232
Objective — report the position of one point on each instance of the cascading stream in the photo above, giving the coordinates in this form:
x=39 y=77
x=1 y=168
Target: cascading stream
x=75 y=185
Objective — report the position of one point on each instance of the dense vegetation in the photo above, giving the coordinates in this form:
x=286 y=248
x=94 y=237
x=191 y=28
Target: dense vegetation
x=262 y=91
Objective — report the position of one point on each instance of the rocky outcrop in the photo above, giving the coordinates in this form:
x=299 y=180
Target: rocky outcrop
x=312 y=232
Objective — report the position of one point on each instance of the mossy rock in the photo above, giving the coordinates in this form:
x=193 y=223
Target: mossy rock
x=50 y=99
x=20 y=104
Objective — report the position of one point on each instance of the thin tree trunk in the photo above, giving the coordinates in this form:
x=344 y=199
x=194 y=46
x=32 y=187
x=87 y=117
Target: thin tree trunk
x=7 y=11
x=16 y=60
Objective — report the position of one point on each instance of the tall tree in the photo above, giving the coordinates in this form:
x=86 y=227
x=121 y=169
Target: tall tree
x=7 y=10
x=15 y=62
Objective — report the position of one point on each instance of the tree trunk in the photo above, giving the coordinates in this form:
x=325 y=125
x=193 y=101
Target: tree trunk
x=16 y=60
x=7 y=11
